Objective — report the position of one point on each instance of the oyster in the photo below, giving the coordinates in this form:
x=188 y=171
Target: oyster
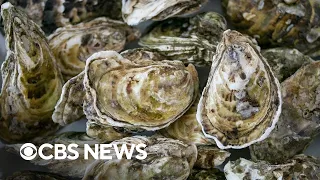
x=201 y=174
x=136 y=11
x=278 y=22
x=210 y=157
x=166 y=159
x=31 y=80
x=74 y=168
x=34 y=175
x=300 y=167
x=191 y=40
x=299 y=122
x=73 y=44
x=285 y=61
x=241 y=102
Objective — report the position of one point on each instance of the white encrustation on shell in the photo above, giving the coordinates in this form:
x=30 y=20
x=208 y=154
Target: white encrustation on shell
x=72 y=45
x=136 y=11
x=241 y=102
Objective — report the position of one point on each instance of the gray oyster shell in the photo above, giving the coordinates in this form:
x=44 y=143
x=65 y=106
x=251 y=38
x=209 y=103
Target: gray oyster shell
x=74 y=168
x=210 y=157
x=241 y=102
x=136 y=11
x=31 y=80
x=299 y=122
x=34 y=175
x=72 y=45
x=166 y=159
x=206 y=174
x=284 y=62
x=300 y=167
x=190 y=40
x=275 y=23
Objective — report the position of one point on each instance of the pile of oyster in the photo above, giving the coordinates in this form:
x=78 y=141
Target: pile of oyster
x=69 y=60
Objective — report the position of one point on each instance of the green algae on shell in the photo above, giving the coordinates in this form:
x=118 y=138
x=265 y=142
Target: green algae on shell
x=241 y=102
x=190 y=40
x=31 y=80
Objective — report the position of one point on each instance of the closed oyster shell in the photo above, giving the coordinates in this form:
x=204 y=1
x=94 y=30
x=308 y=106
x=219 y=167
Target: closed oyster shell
x=74 y=44
x=242 y=100
x=137 y=95
x=202 y=174
x=31 y=80
x=191 y=40
x=74 y=168
x=284 y=62
x=300 y=167
x=299 y=122
x=34 y=175
x=166 y=159
x=292 y=24
x=136 y=11
x=210 y=157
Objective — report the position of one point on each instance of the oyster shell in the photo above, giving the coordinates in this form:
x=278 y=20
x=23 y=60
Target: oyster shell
x=142 y=94
x=73 y=44
x=166 y=159
x=191 y=40
x=74 y=168
x=241 y=102
x=136 y=11
x=299 y=122
x=300 y=167
x=34 y=175
x=285 y=61
x=278 y=22
x=201 y=174
x=31 y=80
x=210 y=157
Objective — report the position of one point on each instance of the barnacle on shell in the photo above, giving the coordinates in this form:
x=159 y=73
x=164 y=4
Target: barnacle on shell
x=136 y=11
x=72 y=45
x=292 y=24
x=31 y=80
x=300 y=167
x=241 y=102
x=191 y=40
x=299 y=120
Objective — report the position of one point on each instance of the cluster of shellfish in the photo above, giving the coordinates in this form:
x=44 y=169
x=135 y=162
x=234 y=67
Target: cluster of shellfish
x=68 y=59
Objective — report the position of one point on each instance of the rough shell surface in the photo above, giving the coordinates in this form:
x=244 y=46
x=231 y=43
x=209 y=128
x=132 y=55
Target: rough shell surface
x=300 y=167
x=284 y=62
x=242 y=100
x=136 y=11
x=299 y=122
x=31 y=81
x=278 y=22
x=204 y=174
x=34 y=175
x=74 y=168
x=191 y=40
x=141 y=94
x=166 y=159
x=210 y=157
x=74 y=44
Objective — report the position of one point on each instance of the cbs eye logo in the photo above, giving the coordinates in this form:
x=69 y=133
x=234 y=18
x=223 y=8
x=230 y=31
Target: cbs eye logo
x=28 y=151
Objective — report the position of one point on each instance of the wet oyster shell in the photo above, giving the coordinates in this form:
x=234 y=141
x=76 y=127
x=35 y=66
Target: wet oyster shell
x=74 y=44
x=299 y=122
x=210 y=157
x=284 y=62
x=136 y=11
x=166 y=159
x=300 y=167
x=74 y=168
x=146 y=94
x=34 y=175
x=278 y=22
x=201 y=174
x=191 y=40
x=31 y=80
x=242 y=100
